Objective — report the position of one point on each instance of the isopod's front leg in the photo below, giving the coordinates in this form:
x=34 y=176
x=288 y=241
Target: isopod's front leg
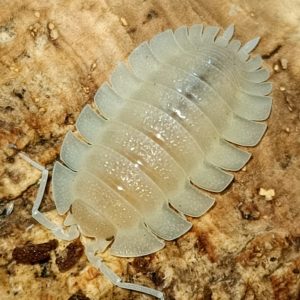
x=71 y=232
x=91 y=249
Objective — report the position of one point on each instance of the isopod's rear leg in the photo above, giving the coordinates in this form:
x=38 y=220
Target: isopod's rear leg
x=69 y=234
x=91 y=249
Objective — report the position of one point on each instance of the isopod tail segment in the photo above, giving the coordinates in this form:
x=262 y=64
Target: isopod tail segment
x=72 y=232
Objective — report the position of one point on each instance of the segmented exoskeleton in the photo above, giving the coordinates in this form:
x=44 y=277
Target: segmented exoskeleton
x=166 y=126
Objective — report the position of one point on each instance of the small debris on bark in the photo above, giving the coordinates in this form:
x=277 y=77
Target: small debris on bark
x=282 y=88
x=284 y=63
x=70 y=256
x=157 y=278
x=54 y=34
x=276 y=68
x=6 y=210
x=268 y=194
x=79 y=296
x=123 y=22
x=152 y=14
x=34 y=253
x=249 y=211
x=141 y=264
x=51 y=26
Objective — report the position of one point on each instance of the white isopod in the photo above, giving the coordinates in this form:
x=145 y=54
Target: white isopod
x=167 y=124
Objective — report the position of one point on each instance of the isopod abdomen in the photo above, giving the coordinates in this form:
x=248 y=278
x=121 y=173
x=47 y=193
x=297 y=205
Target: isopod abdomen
x=166 y=126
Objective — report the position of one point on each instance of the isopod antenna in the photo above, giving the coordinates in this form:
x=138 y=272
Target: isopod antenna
x=72 y=233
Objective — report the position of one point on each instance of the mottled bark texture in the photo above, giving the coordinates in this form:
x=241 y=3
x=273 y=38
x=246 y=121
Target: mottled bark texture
x=53 y=56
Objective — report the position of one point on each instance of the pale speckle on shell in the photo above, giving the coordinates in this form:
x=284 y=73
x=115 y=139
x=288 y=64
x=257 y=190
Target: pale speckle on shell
x=168 y=123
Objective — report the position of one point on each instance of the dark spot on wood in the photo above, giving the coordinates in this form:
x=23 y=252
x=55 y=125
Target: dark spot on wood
x=272 y=53
x=19 y=93
x=189 y=96
x=141 y=264
x=70 y=256
x=2 y=123
x=10 y=159
x=296 y=242
x=42 y=141
x=46 y=271
x=157 y=278
x=152 y=14
x=5 y=210
x=69 y=119
x=131 y=30
x=207 y=293
x=79 y=296
x=8 y=109
x=249 y=211
x=14 y=176
x=34 y=253
x=110 y=238
x=273 y=258
x=296 y=271
x=201 y=77
x=204 y=245
x=285 y=162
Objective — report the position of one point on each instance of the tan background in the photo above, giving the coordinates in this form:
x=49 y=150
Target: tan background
x=54 y=55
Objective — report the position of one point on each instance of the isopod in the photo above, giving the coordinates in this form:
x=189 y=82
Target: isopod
x=161 y=131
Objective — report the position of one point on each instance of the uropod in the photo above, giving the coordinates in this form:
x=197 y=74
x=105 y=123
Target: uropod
x=161 y=132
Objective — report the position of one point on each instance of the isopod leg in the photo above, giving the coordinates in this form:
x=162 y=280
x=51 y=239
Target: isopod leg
x=115 y=279
x=69 y=234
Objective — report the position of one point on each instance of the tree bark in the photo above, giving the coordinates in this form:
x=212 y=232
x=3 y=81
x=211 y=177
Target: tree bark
x=53 y=57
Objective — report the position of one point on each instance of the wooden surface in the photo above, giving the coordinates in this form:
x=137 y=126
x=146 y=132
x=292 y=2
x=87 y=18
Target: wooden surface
x=53 y=56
